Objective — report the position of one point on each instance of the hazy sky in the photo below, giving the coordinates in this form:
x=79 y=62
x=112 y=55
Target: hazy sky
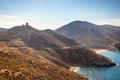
x=43 y=14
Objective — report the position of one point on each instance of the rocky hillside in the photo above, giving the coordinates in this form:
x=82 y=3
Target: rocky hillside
x=66 y=56
x=92 y=35
x=15 y=65
x=82 y=56
x=52 y=46
x=38 y=39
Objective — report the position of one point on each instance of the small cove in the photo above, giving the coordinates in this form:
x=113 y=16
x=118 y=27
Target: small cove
x=103 y=73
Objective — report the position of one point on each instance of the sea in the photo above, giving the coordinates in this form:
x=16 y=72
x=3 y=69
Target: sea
x=103 y=73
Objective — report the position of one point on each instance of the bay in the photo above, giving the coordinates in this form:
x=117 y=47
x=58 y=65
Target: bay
x=103 y=73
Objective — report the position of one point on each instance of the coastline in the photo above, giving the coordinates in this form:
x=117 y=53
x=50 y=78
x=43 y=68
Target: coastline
x=99 y=51
x=74 y=69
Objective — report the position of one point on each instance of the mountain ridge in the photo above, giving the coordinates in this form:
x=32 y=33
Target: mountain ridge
x=27 y=32
x=47 y=42
x=92 y=35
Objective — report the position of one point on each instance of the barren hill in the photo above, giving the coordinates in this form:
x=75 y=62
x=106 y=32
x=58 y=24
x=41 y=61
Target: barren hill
x=92 y=35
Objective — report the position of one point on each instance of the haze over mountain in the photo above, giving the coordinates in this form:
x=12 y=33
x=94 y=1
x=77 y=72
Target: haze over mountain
x=92 y=35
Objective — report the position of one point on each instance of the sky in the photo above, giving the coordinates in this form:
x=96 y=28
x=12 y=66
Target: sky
x=52 y=14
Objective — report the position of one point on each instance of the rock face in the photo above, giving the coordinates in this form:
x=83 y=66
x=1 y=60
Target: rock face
x=94 y=36
x=15 y=65
x=53 y=47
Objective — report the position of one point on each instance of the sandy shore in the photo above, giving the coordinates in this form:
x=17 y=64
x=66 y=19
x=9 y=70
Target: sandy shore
x=100 y=50
x=74 y=69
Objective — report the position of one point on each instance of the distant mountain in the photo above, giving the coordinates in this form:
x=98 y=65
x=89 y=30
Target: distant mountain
x=3 y=29
x=92 y=35
x=52 y=46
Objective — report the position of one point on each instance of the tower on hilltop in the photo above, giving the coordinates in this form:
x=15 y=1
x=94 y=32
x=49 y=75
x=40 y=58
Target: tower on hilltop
x=27 y=24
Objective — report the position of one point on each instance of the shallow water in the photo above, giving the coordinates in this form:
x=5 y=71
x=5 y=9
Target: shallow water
x=104 y=73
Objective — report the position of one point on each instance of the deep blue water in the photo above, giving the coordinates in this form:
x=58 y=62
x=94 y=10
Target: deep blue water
x=104 y=73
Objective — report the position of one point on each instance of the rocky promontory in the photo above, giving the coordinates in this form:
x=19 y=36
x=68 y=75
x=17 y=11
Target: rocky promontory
x=82 y=56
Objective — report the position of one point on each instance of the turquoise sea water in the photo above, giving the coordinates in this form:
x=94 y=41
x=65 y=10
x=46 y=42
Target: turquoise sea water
x=103 y=73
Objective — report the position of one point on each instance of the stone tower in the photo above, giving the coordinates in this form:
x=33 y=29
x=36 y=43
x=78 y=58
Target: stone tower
x=27 y=24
